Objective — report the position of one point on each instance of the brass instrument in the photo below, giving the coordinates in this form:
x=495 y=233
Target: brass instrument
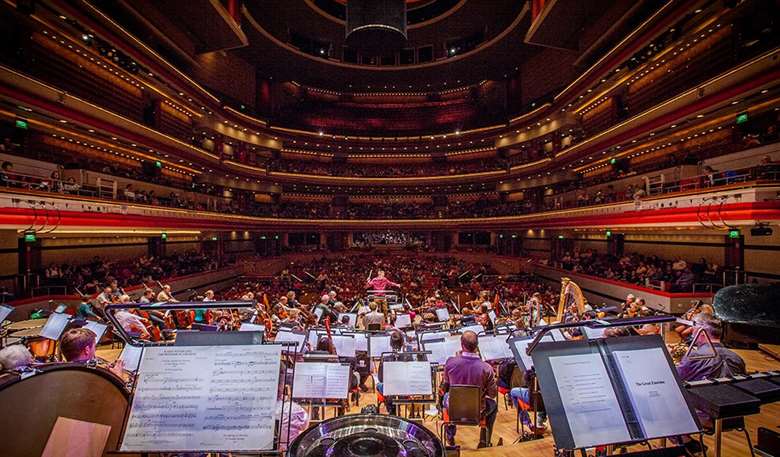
x=571 y=294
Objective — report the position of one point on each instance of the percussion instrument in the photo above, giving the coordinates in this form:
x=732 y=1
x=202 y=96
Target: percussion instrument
x=30 y=406
x=364 y=435
x=24 y=325
x=42 y=349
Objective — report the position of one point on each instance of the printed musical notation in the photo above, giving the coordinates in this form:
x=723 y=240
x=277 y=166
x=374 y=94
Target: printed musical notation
x=204 y=398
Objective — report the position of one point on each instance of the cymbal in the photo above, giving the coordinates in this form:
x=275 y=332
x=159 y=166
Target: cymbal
x=26 y=333
x=32 y=323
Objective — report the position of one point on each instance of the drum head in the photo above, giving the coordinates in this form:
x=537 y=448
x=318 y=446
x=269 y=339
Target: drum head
x=366 y=435
x=30 y=407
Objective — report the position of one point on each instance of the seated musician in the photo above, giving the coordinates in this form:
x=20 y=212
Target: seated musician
x=374 y=317
x=86 y=311
x=78 y=345
x=725 y=363
x=327 y=311
x=693 y=368
x=105 y=298
x=132 y=324
x=398 y=346
x=15 y=357
x=165 y=295
x=468 y=369
x=523 y=398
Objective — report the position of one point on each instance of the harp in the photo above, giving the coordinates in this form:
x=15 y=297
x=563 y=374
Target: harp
x=570 y=295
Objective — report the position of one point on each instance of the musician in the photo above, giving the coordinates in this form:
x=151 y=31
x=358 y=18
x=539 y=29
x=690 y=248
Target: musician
x=398 y=346
x=209 y=296
x=15 y=357
x=326 y=309
x=380 y=283
x=468 y=369
x=523 y=398
x=79 y=345
x=85 y=310
x=165 y=295
x=132 y=324
x=725 y=363
x=373 y=317
x=291 y=301
x=105 y=298
x=147 y=298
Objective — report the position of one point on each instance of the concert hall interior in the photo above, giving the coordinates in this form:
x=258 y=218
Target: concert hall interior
x=343 y=228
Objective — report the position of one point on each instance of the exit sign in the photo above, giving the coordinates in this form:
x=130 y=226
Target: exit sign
x=22 y=124
x=733 y=233
x=742 y=118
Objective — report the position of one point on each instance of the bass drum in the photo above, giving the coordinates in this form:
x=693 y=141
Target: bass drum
x=29 y=407
x=367 y=435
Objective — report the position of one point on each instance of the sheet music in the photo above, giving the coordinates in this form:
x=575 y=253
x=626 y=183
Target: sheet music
x=352 y=318
x=594 y=333
x=4 y=312
x=522 y=345
x=403 y=321
x=204 y=398
x=557 y=335
x=361 y=342
x=407 y=378
x=96 y=327
x=442 y=349
x=131 y=356
x=492 y=316
x=590 y=403
x=442 y=314
x=494 y=347
x=54 y=326
x=438 y=351
x=247 y=327
x=318 y=313
x=433 y=336
x=345 y=345
x=655 y=395
x=320 y=380
x=379 y=344
x=476 y=328
x=291 y=337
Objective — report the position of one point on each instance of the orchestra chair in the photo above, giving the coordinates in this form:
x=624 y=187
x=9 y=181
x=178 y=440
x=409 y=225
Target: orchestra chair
x=464 y=408
x=504 y=392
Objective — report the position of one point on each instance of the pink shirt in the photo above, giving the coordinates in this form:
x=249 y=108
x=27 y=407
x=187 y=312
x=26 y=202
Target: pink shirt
x=380 y=283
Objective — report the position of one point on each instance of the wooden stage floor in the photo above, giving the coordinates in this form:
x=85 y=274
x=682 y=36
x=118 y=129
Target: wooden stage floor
x=734 y=444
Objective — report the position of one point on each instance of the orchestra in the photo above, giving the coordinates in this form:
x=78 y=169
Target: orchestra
x=144 y=319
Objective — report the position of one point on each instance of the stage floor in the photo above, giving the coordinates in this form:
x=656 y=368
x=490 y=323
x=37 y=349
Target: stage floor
x=734 y=444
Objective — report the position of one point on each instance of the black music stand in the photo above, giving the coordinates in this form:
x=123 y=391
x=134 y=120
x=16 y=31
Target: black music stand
x=606 y=351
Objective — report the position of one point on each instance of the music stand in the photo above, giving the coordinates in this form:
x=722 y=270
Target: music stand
x=407 y=399
x=137 y=442
x=621 y=373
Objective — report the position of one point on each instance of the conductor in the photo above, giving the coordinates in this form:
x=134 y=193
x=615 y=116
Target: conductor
x=380 y=283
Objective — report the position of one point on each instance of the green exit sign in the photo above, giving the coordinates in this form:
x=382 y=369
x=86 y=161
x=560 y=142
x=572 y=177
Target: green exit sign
x=29 y=237
x=158 y=164
x=742 y=118
x=163 y=236
x=22 y=124
x=733 y=233
x=609 y=233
